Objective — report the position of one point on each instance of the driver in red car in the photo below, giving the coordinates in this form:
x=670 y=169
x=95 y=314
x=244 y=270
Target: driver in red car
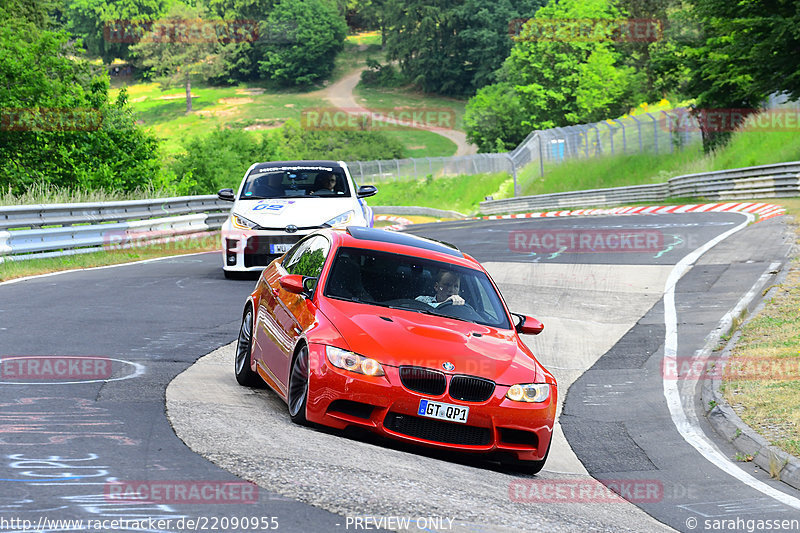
x=446 y=288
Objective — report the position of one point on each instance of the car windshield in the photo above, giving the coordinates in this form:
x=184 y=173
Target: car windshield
x=312 y=182
x=416 y=284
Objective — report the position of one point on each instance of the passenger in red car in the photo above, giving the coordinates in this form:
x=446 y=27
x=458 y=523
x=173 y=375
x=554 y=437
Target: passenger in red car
x=446 y=288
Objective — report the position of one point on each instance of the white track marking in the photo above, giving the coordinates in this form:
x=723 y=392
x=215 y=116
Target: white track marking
x=692 y=433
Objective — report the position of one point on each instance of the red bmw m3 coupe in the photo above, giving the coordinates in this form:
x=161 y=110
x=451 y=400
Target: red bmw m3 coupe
x=400 y=335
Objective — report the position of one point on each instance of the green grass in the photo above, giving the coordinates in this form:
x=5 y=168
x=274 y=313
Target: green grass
x=771 y=404
x=745 y=149
x=40 y=193
x=246 y=105
x=459 y=193
x=603 y=172
x=388 y=98
x=367 y=38
x=421 y=143
x=31 y=267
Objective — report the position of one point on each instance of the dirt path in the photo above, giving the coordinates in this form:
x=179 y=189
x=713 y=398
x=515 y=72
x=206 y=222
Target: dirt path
x=340 y=94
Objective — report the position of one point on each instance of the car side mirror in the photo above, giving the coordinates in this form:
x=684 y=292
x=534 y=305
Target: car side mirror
x=226 y=195
x=298 y=284
x=528 y=325
x=367 y=190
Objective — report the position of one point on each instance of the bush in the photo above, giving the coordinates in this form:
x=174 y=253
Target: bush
x=311 y=33
x=60 y=129
x=494 y=118
x=377 y=75
x=220 y=159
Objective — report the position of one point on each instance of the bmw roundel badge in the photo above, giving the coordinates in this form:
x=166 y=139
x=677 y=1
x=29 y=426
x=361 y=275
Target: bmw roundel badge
x=448 y=366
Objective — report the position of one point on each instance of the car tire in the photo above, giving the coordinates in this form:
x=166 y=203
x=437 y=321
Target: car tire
x=244 y=347
x=297 y=395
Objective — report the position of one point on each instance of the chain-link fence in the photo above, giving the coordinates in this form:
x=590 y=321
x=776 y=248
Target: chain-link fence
x=661 y=132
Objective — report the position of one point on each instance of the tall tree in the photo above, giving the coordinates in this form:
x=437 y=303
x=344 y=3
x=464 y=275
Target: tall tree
x=452 y=46
x=178 y=51
x=108 y=29
x=57 y=125
x=738 y=54
x=303 y=38
x=570 y=77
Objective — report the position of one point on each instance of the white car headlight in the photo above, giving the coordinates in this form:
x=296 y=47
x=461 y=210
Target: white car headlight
x=529 y=392
x=353 y=362
x=240 y=222
x=341 y=220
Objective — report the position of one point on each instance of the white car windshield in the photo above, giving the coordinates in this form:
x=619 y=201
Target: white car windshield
x=416 y=284
x=282 y=183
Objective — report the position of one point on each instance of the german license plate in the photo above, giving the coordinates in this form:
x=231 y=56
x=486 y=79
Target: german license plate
x=281 y=248
x=443 y=411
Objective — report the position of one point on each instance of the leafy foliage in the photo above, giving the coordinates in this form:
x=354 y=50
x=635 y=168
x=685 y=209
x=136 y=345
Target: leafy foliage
x=58 y=126
x=311 y=33
x=551 y=82
x=451 y=46
x=742 y=56
x=378 y=75
x=92 y=20
x=220 y=158
x=492 y=118
x=178 y=61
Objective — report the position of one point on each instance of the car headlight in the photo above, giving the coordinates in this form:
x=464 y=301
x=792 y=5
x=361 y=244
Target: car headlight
x=529 y=392
x=353 y=362
x=240 y=222
x=341 y=220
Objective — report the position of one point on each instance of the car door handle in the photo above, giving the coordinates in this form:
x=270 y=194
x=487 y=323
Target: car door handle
x=275 y=292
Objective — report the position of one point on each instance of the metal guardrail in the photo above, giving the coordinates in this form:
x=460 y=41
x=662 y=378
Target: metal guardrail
x=765 y=181
x=29 y=231
x=62 y=229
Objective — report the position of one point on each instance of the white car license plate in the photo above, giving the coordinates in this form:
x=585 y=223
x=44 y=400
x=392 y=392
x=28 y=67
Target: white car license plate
x=443 y=411
x=280 y=248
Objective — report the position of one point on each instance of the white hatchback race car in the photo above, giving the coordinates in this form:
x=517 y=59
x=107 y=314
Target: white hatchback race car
x=280 y=202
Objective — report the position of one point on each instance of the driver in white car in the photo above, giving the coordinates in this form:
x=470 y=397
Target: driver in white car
x=446 y=289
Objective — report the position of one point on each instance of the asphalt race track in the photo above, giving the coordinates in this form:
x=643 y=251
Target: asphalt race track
x=607 y=322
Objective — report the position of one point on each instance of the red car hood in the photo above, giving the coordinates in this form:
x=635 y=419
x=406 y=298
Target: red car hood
x=398 y=337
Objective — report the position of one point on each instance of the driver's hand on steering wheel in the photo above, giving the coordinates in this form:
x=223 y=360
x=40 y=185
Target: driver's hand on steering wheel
x=456 y=299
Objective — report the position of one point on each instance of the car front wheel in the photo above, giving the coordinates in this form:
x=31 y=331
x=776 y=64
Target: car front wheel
x=298 y=387
x=244 y=346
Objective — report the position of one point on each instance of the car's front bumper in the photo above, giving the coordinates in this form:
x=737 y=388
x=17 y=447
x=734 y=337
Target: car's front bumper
x=251 y=250
x=338 y=398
